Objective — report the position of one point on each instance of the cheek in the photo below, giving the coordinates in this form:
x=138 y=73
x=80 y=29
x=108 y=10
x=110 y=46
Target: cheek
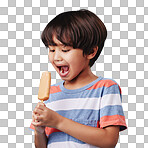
x=78 y=59
x=50 y=58
x=77 y=62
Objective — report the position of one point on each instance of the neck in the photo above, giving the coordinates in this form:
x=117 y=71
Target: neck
x=81 y=80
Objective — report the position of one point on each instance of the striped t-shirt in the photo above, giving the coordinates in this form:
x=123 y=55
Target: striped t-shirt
x=97 y=104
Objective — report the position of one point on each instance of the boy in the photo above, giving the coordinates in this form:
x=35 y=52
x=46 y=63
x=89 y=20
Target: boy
x=83 y=110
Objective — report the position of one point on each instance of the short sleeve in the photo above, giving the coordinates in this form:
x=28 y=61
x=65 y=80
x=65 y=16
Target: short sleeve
x=111 y=110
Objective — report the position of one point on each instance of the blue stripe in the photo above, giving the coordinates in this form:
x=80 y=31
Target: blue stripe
x=62 y=137
x=95 y=93
x=114 y=89
x=111 y=110
x=86 y=94
x=91 y=115
x=84 y=115
x=57 y=84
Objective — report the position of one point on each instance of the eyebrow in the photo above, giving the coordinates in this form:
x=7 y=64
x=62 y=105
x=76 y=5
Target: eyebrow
x=62 y=45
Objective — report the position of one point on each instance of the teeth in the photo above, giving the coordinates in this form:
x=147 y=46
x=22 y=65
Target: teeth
x=62 y=69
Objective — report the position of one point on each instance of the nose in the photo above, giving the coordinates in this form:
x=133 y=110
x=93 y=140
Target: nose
x=57 y=56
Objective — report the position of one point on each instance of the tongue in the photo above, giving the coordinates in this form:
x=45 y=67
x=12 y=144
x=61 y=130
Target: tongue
x=64 y=69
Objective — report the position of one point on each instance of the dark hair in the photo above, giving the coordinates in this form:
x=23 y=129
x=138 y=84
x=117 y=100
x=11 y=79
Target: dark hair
x=80 y=29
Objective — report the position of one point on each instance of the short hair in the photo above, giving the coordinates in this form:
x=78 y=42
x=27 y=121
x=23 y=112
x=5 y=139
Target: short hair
x=79 y=29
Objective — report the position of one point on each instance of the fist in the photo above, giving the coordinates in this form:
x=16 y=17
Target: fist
x=44 y=116
x=39 y=129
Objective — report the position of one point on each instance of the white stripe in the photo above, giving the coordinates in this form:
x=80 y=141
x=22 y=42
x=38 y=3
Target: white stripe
x=85 y=103
x=70 y=144
x=76 y=103
x=110 y=99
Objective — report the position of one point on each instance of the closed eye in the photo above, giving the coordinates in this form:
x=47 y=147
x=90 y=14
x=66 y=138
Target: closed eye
x=50 y=50
x=66 y=50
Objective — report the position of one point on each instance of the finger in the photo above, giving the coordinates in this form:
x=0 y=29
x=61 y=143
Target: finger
x=33 y=117
x=33 y=120
x=38 y=117
x=41 y=104
x=38 y=111
x=38 y=106
x=36 y=123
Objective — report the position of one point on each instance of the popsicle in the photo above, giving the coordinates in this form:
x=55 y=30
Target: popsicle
x=44 y=87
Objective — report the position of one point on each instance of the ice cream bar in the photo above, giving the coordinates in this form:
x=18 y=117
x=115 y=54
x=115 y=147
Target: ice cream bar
x=44 y=88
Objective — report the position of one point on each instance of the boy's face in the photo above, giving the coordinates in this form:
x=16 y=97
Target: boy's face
x=68 y=62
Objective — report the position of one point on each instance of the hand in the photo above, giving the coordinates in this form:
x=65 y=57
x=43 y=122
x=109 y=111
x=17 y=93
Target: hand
x=38 y=129
x=44 y=116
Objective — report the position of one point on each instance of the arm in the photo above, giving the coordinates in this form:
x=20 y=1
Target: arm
x=40 y=140
x=105 y=138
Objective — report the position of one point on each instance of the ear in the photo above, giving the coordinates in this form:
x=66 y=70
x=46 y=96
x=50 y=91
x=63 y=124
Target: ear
x=92 y=55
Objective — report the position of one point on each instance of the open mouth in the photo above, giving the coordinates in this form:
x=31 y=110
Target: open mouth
x=63 y=70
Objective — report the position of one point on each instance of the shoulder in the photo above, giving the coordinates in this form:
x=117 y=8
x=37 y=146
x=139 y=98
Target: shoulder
x=104 y=82
x=106 y=86
x=110 y=86
x=107 y=82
